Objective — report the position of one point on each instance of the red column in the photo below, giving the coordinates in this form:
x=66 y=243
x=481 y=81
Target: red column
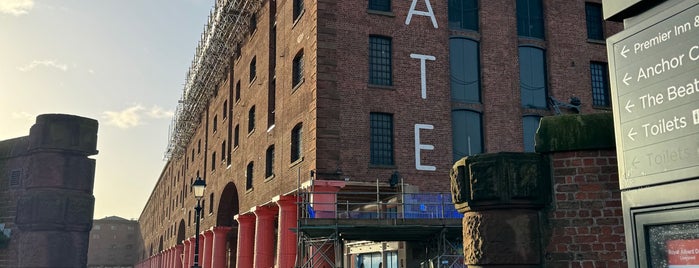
x=171 y=258
x=324 y=197
x=208 y=244
x=246 y=240
x=158 y=259
x=178 y=256
x=287 y=242
x=264 y=236
x=165 y=258
x=185 y=253
x=218 y=255
x=191 y=252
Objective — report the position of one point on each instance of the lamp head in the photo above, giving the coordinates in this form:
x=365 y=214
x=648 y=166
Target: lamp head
x=199 y=185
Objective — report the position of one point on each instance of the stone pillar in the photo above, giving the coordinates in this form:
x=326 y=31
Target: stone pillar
x=178 y=256
x=501 y=196
x=218 y=253
x=190 y=263
x=208 y=245
x=264 y=236
x=246 y=240
x=287 y=240
x=54 y=213
x=185 y=253
x=324 y=196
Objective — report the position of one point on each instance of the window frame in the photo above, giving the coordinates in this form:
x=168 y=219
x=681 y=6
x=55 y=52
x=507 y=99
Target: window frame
x=526 y=135
x=530 y=26
x=251 y=119
x=296 y=146
x=453 y=84
x=464 y=17
x=298 y=9
x=381 y=139
x=253 y=69
x=594 y=22
x=601 y=97
x=269 y=157
x=481 y=138
x=297 y=69
x=536 y=102
x=380 y=60
x=250 y=168
x=380 y=5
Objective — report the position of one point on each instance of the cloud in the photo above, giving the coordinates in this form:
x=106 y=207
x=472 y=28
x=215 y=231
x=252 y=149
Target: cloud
x=16 y=7
x=134 y=116
x=45 y=63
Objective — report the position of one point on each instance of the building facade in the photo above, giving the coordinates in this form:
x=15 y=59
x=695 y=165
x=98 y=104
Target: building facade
x=113 y=243
x=332 y=97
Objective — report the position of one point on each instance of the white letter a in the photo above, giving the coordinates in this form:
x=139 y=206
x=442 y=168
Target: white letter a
x=429 y=13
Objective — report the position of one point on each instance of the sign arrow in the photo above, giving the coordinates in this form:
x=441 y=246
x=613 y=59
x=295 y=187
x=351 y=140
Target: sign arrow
x=631 y=134
x=626 y=78
x=624 y=50
x=635 y=162
x=629 y=105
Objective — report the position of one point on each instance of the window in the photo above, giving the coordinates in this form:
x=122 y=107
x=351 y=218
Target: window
x=380 y=5
x=253 y=68
x=380 y=61
x=236 y=136
x=593 y=17
x=213 y=161
x=271 y=103
x=215 y=123
x=248 y=176
x=297 y=70
x=600 y=84
x=530 y=124
x=298 y=8
x=224 y=113
x=467 y=134
x=203 y=205
x=463 y=14
x=192 y=154
x=15 y=178
x=199 y=146
x=211 y=203
x=465 y=70
x=223 y=151
x=189 y=218
x=269 y=169
x=532 y=77
x=381 y=144
x=96 y=227
x=112 y=227
x=296 y=145
x=251 y=119
x=237 y=91
x=530 y=18
x=253 y=23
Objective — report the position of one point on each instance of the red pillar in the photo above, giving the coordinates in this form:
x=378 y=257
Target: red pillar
x=324 y=197
x=201 y=250
x=185 y=253
x=208 y=244
x=246 y=240
x=264 y=236
x=191 y=252
x=287 y=242
x=165 y=258
x=178 y=256
x=218 y=255
x=171 y=258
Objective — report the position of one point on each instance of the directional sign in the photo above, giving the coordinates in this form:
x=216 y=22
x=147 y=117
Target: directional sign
x=654 y=68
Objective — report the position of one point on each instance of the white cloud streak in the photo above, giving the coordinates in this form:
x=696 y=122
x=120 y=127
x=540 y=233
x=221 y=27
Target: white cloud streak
x=45 y=63
x=16 y=7
x=134 y=116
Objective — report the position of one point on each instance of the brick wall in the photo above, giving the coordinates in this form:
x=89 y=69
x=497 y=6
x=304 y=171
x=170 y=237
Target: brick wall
x=586 y=225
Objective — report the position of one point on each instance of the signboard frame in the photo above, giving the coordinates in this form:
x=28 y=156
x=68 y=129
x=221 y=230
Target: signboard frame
x=639 y=150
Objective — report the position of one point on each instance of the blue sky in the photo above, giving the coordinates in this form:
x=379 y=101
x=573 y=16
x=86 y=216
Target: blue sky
x=122 y=62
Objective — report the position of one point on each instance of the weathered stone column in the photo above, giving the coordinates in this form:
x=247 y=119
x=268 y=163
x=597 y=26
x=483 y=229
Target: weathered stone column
x=501 y=195
x=54 y=215
x=246 y=240
x=288 y=220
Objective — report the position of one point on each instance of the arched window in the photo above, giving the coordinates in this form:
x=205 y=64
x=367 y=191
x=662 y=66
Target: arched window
x=464 y=70
x=296 y=146
x=467 y=133
x=297 y=70
x=532 y=77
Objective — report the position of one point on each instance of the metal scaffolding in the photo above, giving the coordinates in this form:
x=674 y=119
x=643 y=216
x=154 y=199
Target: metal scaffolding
x=224 y=34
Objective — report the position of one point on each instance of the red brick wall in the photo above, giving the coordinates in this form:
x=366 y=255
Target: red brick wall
x=586 y=225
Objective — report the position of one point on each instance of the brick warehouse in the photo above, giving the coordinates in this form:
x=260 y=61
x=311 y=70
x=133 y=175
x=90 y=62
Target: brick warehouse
x=303 y=101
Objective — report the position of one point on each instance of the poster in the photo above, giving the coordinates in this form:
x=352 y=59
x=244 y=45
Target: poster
x=683 y=253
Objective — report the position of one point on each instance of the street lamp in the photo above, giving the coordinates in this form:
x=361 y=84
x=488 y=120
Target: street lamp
x=199 y=185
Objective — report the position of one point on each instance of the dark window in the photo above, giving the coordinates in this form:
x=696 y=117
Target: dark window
x=253 y=23
x=253 y=68
x=213 y=161
x=189 y=218
x=600 y=84
x=297 y=70
x=192 y=154
x=296 y=145
x=224 y=113
x=380 y=5
x=203 y=205
x=467 y=133
x=248 y=176
x=269 y=169
x=237 y=91
x=211 y=204
x=530 y=18
x=199 y=146
x=530 y=124
x=593 y=16
x=223 y=150
x=380 y=61
x=532 y=77
x=272 y=103
x=251 y=119
x=298 y=8
x=463 y=14
x=236 y=136
x=215 y=123
x=465 y=71
x=381 y=125
x=15 y=177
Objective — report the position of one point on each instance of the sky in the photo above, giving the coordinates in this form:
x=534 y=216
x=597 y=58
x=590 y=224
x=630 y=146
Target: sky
x=122 y=62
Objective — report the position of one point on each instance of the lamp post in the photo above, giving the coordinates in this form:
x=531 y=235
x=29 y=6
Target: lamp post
x=199 y=185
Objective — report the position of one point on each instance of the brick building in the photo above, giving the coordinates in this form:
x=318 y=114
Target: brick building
x=293 y=96
x=113 y=243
